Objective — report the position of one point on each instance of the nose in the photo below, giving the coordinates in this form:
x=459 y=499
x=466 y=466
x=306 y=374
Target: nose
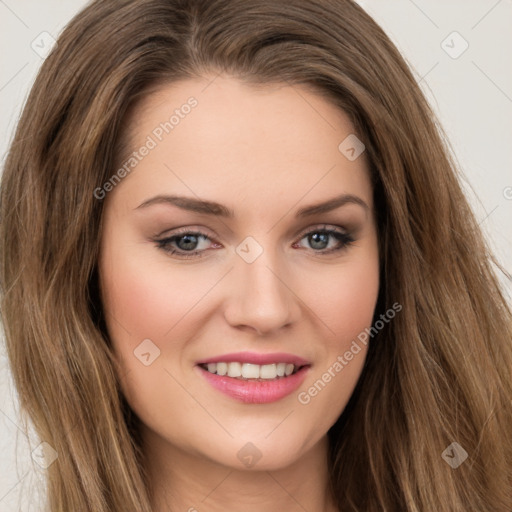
x=261 y=296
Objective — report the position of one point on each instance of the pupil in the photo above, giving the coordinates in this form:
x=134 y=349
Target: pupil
x=319 y=238
x=190 y=241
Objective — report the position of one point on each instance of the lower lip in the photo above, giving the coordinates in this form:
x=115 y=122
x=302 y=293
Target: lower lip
x=256 y=391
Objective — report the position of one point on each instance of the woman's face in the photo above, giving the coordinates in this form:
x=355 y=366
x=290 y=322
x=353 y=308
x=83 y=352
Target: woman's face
x=243 y=234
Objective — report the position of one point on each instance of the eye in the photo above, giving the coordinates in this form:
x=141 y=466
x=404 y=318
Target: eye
x=185 y=244
x=327 y=240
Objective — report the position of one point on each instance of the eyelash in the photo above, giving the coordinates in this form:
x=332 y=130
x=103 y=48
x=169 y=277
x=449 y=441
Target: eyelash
x=345 y=240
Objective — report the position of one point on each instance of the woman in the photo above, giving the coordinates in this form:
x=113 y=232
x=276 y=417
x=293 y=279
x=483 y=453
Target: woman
x=183 y=175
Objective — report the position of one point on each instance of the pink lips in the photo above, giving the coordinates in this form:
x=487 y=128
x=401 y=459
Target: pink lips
x=259 y=391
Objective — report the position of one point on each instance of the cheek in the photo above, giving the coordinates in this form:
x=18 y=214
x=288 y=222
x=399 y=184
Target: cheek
x=348 y=299
x=145 y=297
x=347 y=310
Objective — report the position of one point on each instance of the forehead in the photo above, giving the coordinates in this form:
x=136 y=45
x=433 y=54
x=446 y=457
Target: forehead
x=226 y=140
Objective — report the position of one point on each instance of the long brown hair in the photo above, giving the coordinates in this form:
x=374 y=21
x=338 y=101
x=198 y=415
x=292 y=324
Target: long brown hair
x=440 y=372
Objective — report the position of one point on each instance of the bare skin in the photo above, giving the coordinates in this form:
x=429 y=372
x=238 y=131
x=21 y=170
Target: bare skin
x=265 y=153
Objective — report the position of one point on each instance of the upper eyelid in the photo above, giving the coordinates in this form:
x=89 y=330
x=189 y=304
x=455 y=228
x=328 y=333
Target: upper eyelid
x=203 y=232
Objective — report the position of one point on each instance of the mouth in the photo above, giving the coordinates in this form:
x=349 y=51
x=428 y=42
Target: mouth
x=249 y=371
x=255 y=378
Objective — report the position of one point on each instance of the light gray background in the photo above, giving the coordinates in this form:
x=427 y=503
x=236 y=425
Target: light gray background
x=472 y=95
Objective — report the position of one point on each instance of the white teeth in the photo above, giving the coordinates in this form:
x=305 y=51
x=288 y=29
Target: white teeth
x=268 y=371
x=251 y=371
x=234 y=370
x=222 y=369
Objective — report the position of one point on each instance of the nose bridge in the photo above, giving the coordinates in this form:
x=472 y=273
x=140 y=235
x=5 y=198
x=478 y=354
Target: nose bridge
x=260 y=297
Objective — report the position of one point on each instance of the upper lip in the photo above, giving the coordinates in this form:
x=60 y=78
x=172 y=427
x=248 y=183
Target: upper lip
x=256 y=358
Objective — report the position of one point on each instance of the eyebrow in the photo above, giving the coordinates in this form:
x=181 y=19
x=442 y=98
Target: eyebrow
x=213 y=208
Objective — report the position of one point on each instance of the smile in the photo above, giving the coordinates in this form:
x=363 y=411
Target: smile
x=251 y=371
x=254 y=378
